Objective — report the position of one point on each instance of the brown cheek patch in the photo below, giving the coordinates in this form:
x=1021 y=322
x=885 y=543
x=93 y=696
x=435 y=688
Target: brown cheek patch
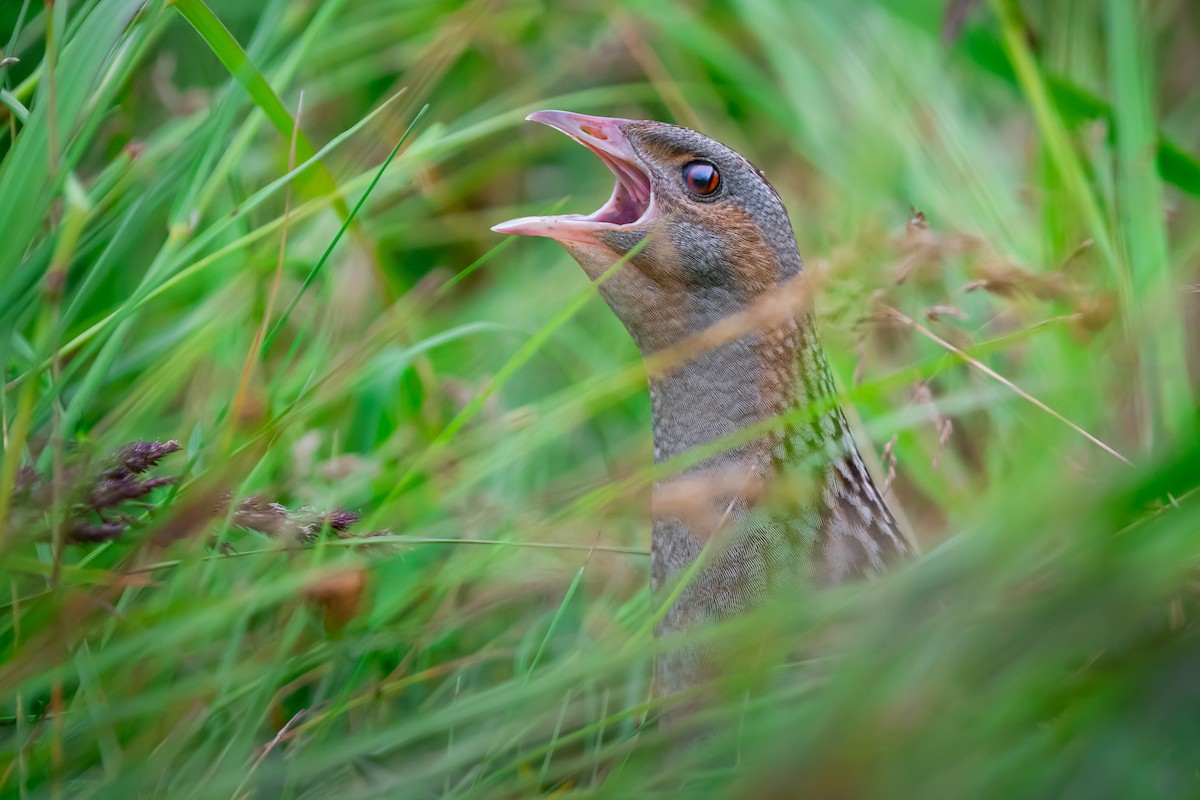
x=758 y=278
x=752 y=258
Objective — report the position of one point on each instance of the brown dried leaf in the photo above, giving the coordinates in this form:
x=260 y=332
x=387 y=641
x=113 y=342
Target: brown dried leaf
x=1095 y=313
x=340 y=595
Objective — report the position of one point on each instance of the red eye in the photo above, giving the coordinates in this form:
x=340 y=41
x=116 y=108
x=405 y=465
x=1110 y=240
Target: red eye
x=701 y=177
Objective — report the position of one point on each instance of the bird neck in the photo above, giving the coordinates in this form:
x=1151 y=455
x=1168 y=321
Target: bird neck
x=740 y=426
x=714 y=414
x=724 y=399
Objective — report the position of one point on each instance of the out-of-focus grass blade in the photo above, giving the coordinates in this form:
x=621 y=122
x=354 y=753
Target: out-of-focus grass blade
x=212 y=234
x=1076 y=103
x=514 y=363
x=1159 y=328
x=14 y=105
x=316 y=269
x=558 y=613
x=1057 y=142
x=27 y=185
x=226 y=48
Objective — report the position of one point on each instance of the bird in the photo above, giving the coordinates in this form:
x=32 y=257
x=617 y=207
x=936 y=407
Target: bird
x=695 y=254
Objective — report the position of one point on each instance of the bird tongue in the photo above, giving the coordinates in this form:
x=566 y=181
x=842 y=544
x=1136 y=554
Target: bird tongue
x=631 y=199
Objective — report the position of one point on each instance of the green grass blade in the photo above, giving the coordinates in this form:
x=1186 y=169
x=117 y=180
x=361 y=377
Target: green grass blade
x=231 y=54
x=316 y=268
x=1163 y=362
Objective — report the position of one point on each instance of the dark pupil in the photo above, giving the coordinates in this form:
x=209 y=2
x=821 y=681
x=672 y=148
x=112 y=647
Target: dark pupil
x=701 y=178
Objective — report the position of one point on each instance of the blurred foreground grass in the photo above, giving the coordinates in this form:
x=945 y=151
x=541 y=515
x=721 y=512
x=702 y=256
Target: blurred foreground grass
x=1013 y=193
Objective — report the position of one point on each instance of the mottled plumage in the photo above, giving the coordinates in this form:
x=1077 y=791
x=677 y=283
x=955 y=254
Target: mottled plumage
x=696 y=261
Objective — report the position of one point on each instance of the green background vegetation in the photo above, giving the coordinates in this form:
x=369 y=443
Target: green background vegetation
x=1001 y=186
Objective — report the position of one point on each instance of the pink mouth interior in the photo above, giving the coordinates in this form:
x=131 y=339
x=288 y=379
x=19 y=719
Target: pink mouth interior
x=632 y=201
x=630 y=197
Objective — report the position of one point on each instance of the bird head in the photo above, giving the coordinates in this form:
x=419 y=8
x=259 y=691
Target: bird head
x=702 y=232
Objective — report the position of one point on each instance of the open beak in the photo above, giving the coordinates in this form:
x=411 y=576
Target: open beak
x=632 y=201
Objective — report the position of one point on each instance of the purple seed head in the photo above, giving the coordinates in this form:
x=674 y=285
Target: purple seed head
x=109 y=492
x=341 y=521
x=137 y=457
x=95 y=531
